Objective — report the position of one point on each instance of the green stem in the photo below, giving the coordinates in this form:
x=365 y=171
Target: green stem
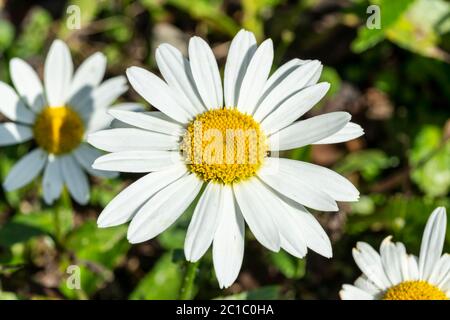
x=187 y=288
x=65 y=203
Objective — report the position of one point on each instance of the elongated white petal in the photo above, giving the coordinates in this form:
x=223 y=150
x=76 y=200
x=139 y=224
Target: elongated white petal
x=413 y=267
x=369 y=261
x=432 y=242
x=368 y=286
x=335 y=185
x=147 y=121
x=130 y=139
x=205 y=220
x=228 y=244
x=255 y=77
x=281 y=73
x=257 y=205
x=206 y=73
x=58 y=72
x=349 y=132
x=242 y=49
x=391 y=261
x=293 y=83
x=86 y=155
x=27 y=83
x=177 y=72
x=75 y=179
x=52 y=181
x=25 y=170
x=441 y=271
x=297 y=189
x=13 y=107
x=163 y=209
x=122 y=208
x=294 y=107
x=350 y=292
x=12 y=133
x=138 y=161
x=89 y=74
x=302 y=133
x=157 y=93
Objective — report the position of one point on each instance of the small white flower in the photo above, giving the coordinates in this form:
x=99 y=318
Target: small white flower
x=395 y=275
x=224 y=140
x=57 y=116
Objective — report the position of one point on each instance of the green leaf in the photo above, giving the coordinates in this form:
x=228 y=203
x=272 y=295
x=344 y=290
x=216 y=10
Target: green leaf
x=6 y=34
x=163 y=282
x=431 y=162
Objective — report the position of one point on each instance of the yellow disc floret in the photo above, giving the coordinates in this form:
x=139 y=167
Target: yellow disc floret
x=414 y=290
x=224 y=146
x=58 y=130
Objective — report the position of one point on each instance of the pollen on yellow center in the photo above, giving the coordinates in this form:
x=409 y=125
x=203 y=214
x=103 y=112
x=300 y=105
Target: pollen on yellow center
x=414 y=290
x=224 y=146
x=58 y=130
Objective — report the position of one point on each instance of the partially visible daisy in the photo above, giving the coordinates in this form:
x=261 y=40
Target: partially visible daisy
x=395 y=275
x=219 y=144
x=57 y=117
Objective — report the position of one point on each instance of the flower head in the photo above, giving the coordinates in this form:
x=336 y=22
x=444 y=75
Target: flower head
x=57 y=116
x=219 y=143
x=395 y=275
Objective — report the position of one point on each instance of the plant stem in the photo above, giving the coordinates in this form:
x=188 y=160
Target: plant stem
x=187 y=288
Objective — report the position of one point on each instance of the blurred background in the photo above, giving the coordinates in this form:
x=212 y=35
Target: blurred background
x=393 y=80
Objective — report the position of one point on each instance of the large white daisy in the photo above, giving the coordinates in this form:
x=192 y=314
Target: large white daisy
x=192 y=144
x=57 y=117
x=395 y=275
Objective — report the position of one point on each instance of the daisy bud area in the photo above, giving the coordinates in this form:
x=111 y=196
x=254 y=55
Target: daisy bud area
x=224 y=158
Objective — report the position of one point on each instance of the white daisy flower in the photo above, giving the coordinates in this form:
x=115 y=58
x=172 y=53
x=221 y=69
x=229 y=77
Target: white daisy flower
x=395 y=275
x=57 y=116
x=192 y=144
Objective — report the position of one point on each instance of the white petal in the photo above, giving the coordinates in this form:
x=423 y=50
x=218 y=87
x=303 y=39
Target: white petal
x=369 y=261
x=441 y=271
x=413 y=267
x=58 y=72
x=86 y=155
x=27 y=83
x=206 y=73
x=228 y=244
x=163 y=209
x=312 y=232
x=257 y=205
x=368 y=286
x=147 y=122
x=297 y=189
x=124 y=205
x=13 y=107
x=138 y=161
x=349 y=132
x=131 y=139
x=391 y=261
x=25 y=170
x=255 y=77
x=12 y=133
x=89 y=74
x=282 y=72
x=206 y=218
x=294 y=107
x=302 y=133
x=241 y=51
x=350 y=292
x=52 y=182
x=157 y=93
x=294 y=82
x=432 y=242
x=75 y=179
x=321 y=178
x=177 y=72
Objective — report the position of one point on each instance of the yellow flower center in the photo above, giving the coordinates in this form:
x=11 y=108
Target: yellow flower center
x=224 y=146
x=414 y=290
x=58 y=130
